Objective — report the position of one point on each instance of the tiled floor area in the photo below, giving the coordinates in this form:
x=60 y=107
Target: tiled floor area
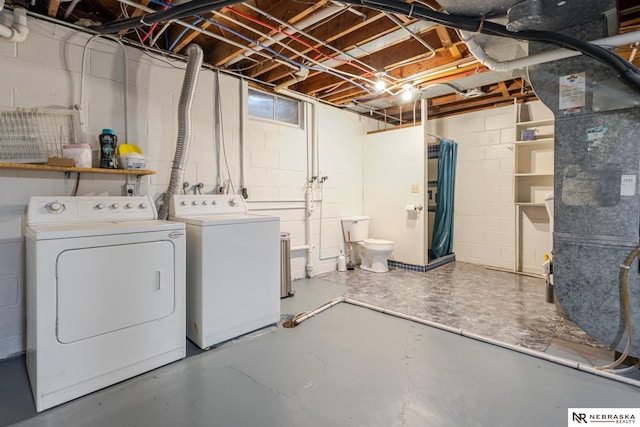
x=504 y=306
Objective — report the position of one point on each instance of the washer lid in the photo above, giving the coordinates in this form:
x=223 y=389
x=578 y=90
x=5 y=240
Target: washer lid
x=63 y=231
x=206 y=220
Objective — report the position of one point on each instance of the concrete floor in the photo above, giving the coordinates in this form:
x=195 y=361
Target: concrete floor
x=347 y=366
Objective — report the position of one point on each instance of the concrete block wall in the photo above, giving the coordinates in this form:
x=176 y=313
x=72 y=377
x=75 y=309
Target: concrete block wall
x=45 y=72
x=484 y=229
x=484 y=226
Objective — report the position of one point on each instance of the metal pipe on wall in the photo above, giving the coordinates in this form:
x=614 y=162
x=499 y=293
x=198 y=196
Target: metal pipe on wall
x=313 y=164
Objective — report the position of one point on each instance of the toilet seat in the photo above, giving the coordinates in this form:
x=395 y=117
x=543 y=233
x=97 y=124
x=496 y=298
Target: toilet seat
x=377 y=243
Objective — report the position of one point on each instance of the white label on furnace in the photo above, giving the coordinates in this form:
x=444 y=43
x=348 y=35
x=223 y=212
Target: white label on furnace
x=572 y=91
x=628 y=185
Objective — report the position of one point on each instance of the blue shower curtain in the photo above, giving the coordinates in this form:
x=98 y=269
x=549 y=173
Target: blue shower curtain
x=442 y=239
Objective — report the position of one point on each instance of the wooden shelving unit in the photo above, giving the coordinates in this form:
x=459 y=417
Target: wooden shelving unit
x=533 y=171
x=533 y=162
x=43 y=167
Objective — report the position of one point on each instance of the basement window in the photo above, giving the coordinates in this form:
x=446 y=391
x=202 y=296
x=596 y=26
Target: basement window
x=273 y=107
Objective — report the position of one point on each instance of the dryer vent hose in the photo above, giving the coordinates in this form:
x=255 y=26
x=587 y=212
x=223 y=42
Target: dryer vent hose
x=184 y=126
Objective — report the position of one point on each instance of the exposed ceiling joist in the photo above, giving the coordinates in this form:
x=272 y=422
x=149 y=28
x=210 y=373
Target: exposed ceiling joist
x=347 y=48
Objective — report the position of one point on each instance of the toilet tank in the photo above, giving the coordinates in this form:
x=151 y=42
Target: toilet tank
x=355 y=228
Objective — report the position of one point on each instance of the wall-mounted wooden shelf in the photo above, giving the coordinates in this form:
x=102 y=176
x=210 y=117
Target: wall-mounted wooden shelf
x=43 y=167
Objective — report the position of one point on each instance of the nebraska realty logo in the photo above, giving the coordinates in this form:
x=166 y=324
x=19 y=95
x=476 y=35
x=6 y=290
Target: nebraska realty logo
x=599 y=416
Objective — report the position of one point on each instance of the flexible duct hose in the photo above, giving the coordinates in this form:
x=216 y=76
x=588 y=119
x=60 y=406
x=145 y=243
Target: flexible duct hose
x=624 y=301
x=184 y=126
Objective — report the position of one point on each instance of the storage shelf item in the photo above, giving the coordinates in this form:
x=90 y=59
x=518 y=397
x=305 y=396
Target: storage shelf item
x=39 y=167
x=34 y=135
x=534 y=130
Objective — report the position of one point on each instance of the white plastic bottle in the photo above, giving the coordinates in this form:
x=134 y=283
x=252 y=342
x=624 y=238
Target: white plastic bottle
x=342 y=262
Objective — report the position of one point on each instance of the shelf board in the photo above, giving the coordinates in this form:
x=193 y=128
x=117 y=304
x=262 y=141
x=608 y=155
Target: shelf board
x=536 y=123
x=530 y=205
x=536 y=141
x=43 y=167
x=534 y=174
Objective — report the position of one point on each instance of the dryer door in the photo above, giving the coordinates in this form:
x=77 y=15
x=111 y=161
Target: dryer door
x=108 y=288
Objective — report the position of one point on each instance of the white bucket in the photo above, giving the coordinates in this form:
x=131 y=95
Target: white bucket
x=131 y=161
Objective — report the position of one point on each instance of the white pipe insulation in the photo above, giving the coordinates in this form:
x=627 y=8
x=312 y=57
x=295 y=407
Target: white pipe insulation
x=13 y=29
x=553 y=55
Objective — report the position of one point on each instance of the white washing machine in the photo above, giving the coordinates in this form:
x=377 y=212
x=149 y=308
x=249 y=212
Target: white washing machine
x=105 y=293
x=233 y=267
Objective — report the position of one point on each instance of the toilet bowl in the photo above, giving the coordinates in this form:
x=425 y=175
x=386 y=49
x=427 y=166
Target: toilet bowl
x=374 y=253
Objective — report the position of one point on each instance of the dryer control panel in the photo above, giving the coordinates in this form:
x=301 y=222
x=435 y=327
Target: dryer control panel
x=71 y=210
x=206 y=204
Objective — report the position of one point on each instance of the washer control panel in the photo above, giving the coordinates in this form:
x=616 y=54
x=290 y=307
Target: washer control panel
x=207 y=204
x=68 y=210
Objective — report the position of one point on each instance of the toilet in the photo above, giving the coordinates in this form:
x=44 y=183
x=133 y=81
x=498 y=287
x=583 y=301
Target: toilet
x=373 y=252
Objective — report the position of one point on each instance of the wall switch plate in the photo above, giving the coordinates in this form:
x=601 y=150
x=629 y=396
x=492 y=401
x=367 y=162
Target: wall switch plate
x=415 y=188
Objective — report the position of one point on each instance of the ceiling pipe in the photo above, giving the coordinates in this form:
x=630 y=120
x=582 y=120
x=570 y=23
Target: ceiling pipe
x=411 y=33
x=541 y=58
x=625 y=71
x=384 y=41
x=14 y=30
x=207 y=33
x=70 y=9
x=323 y=43
x=305 y=23
x=297 y=77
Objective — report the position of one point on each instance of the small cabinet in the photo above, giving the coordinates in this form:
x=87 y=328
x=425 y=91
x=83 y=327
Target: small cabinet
x=533 y=161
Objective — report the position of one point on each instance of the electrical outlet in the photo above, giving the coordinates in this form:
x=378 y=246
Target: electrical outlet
x=129 y=189
x=415 y=188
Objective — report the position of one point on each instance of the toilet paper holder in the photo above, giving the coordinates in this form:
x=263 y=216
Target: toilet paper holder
x=412 y=208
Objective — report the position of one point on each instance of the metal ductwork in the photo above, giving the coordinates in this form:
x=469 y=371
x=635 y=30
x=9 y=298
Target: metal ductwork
x=194 y=64
x=597 y=205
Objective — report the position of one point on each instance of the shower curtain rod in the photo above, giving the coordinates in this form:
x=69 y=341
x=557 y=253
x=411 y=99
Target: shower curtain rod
x=435 y=136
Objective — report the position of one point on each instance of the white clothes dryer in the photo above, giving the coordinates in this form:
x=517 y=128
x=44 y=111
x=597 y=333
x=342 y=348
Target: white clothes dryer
x=233 y=267
x=105 y=293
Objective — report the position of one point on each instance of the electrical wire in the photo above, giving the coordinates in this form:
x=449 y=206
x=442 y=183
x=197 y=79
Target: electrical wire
x=625 y=71
x=223 y=151
x=153 y=27
x=306 y=34
x=126 y=79
x=183 y=32
x=299 y=40
x=320 y=68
